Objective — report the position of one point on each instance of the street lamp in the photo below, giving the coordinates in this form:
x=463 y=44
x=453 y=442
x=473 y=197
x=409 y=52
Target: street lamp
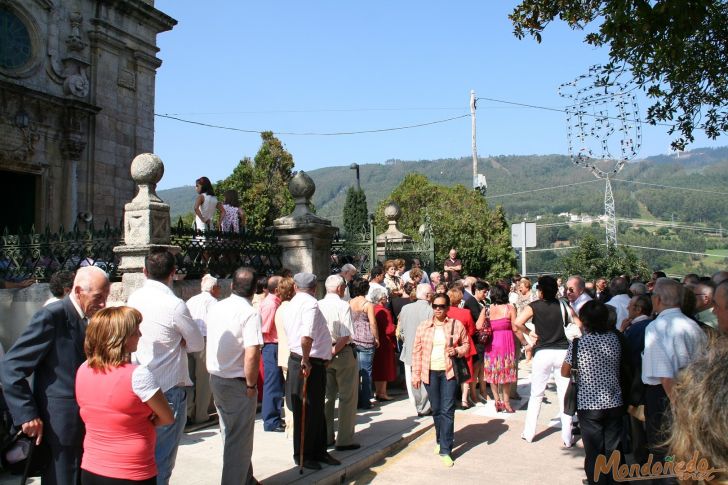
x=355 y=166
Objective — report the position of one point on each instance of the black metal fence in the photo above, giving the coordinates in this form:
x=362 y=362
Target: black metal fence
x=37 y=255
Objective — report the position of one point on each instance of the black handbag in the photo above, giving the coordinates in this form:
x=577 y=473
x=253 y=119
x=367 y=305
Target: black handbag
x=459 y=364
x=573 y=388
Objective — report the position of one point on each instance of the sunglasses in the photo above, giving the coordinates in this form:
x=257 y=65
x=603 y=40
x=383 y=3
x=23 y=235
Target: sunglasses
x=438 y=307
x=570 y=290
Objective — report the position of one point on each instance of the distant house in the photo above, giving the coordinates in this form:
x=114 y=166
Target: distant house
x=77 y=88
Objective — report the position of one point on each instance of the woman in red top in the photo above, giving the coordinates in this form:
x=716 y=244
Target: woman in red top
x=383 y=367
x=466 y=318
x=120 y=403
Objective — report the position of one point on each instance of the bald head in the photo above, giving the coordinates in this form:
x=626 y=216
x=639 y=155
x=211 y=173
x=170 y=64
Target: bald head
x=91 y=289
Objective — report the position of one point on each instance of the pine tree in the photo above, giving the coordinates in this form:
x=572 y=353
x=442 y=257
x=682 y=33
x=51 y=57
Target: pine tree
x=355 y=214
x=262 y=184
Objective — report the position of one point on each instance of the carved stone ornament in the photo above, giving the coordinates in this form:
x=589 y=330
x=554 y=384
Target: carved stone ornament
x=302 y=189
x=68 y=68
x=393 y=212
x=147 y=170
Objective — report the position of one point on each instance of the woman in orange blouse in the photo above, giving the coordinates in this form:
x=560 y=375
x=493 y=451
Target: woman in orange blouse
x=437 y=342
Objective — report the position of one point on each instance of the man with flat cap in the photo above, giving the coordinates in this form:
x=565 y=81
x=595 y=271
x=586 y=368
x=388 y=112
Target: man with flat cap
x=309 y=341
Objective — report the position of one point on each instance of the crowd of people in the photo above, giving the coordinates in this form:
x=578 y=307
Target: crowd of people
x=114 y=387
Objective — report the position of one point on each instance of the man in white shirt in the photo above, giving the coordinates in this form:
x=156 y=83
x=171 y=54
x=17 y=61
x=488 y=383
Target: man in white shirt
x=342 y=374
x=168 y=334
x=672 y=341
x=198 y=401
x=576 y=292
x=619 y=289
x=234 y=340
x=309 y=341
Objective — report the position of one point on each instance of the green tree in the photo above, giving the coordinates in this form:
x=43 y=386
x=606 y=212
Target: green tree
x=676 y=50
x=355 y=213
x=460 y=218
x=262 y=184
x=592 y=260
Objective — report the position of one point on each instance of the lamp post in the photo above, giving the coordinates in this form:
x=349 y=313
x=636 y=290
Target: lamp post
x=355 y=166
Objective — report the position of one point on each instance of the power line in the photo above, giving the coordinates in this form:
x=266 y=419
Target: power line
x=541 y=189
x=672 y=187
x=380 y=130
x=708 y=255
x=563 y=110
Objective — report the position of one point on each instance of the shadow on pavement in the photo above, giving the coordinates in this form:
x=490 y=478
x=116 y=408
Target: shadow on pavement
x=474 y=435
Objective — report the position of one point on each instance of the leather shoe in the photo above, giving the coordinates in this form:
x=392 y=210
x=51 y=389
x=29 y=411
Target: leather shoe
x=329 y=460
x=353 y=446
x=310 y=464
x=279 y=429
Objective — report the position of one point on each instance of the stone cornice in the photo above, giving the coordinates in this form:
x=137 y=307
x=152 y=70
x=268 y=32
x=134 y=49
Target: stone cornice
x=143 y=12
x=48 y=98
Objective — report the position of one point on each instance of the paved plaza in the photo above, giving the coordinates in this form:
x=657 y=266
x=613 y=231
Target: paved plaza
x=398 y=448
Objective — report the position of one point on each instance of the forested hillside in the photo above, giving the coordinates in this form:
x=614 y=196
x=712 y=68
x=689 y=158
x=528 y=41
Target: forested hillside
x=524 y=186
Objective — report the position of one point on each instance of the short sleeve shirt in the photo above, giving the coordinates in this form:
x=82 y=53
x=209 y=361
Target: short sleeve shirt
x=598 y=357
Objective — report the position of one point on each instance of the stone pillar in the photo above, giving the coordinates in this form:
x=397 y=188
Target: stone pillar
x=146 y=224
x=392 y=235
x=305 y=237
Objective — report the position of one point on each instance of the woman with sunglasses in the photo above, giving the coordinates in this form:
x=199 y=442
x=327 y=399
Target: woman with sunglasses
x=437 y=342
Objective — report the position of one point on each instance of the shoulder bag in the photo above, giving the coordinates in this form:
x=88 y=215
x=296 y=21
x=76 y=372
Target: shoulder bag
x=459 y=364
x=572 y=390
x=483 y=336
x=571 y=329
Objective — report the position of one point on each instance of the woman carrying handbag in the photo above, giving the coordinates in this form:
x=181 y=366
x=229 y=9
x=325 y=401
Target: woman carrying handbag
x=437 y=343
x=599 y=402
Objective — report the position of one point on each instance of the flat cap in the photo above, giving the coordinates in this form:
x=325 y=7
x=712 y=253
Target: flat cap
x=305 y=280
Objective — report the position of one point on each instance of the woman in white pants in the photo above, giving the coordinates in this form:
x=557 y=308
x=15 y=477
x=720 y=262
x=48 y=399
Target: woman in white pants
x=549 y=353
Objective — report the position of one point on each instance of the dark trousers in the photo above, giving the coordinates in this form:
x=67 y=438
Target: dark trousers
x=601 y=433
x=657 y=424
x=63 y=433
x=441 y=393
x=315 y=425
x=273 y=388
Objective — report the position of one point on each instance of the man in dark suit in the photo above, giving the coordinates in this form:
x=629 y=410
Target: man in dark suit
x=51 y=348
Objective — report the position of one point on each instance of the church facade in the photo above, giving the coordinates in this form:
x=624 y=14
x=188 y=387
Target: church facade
x=77 y=84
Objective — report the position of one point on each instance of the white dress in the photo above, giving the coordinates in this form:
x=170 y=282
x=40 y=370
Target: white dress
x=207 y=208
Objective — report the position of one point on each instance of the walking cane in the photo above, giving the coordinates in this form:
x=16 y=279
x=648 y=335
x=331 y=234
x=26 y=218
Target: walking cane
x=303 y=425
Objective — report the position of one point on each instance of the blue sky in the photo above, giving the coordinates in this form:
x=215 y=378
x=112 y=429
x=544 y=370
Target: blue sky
x=331 y=66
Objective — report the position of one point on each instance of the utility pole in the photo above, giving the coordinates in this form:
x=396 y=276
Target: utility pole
x=476 y=183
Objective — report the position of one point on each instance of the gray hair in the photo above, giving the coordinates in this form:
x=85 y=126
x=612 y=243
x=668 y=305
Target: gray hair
x=333 y=283
x=670 y=292
x=579 y=281
x=85 y=276
x=348 y=267
x=376 y=293
x=208 y=283
x=422 y=290
x=638 y=289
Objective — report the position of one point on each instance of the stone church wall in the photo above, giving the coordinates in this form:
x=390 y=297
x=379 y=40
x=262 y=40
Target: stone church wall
x=77 y=102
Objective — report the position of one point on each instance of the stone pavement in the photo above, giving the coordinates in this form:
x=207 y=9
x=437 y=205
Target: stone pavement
x=397 y=447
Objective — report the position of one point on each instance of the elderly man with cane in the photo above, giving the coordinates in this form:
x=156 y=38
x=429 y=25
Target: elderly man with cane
x=309 y=341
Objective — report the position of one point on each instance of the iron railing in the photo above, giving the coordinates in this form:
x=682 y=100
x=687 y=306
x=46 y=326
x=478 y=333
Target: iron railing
x=37 y=255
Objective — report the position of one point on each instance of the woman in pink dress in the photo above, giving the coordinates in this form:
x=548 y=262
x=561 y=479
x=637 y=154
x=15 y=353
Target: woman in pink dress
x=500 y=354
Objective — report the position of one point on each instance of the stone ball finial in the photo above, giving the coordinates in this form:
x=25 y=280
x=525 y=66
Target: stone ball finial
x=392 y=212
x=147 y=169
x=301 y=186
